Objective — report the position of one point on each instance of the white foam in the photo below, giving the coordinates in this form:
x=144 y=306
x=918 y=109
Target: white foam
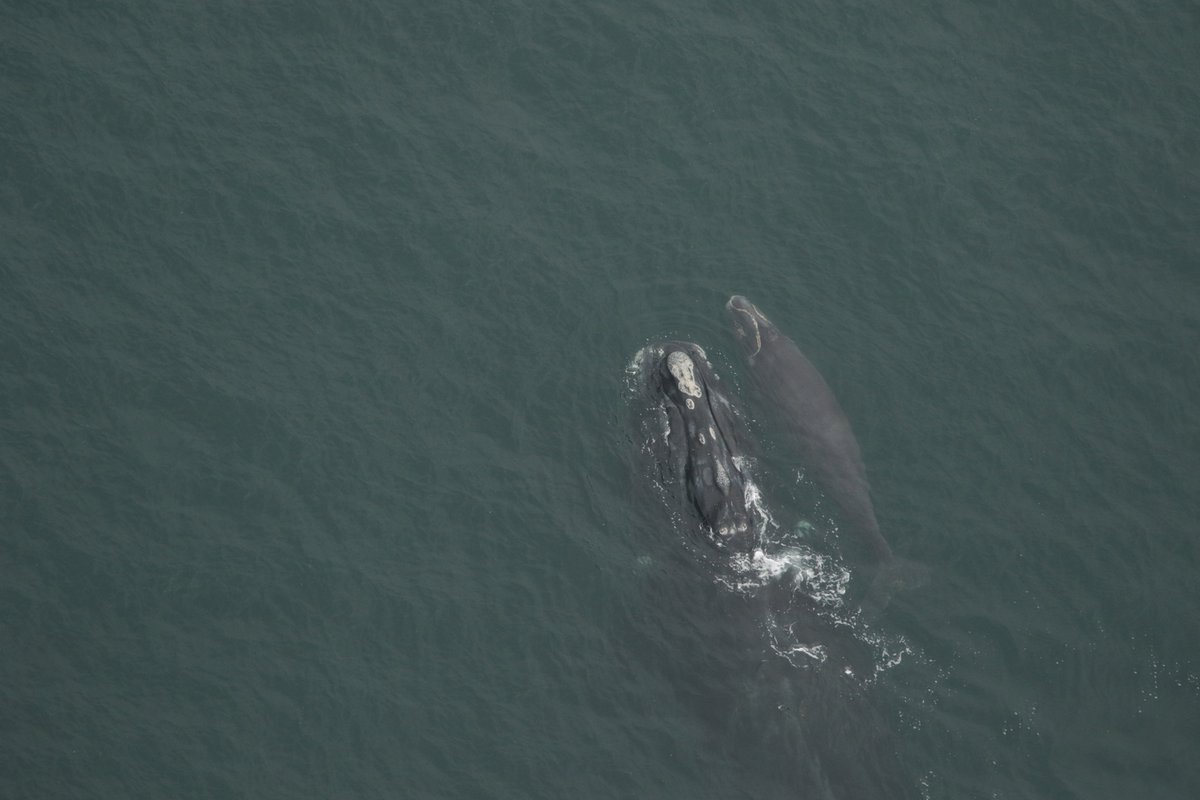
x=816 y=575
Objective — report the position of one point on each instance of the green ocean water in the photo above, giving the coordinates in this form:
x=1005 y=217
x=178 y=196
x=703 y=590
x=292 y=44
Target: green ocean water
x=317 y=470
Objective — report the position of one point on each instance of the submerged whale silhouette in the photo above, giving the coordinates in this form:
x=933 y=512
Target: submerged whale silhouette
x=812 y=416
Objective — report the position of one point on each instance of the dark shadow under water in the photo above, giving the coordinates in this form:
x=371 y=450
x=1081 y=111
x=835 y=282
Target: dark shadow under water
x=791 y=729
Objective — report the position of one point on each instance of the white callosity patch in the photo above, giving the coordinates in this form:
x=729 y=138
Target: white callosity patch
x=752 y=324
x=683 y=369
x=722 y=475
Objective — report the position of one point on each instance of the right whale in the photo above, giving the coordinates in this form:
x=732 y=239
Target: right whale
x=813 y=417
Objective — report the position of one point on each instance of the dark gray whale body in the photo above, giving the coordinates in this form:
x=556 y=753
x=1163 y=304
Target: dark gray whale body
x=813 y=418
x=702 y=445
x=808 y=731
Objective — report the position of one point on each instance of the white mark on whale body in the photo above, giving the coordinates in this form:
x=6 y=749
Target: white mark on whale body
x=751 y=315
x=684 y=371
x=691 y=404
x=722 y=475
x=702 y=440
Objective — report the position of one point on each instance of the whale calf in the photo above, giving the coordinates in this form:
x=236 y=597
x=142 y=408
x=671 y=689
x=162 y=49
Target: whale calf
x=702 y=443
x=813 y=418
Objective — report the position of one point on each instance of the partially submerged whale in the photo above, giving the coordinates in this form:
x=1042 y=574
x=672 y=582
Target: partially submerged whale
x=812 y=416
x=701 y=440
x=789 y=706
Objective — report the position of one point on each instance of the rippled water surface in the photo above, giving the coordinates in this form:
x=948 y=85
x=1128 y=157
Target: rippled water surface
x=319 y=471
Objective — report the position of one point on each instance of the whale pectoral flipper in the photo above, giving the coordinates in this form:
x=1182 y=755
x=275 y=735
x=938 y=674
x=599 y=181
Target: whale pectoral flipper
x=894 y=575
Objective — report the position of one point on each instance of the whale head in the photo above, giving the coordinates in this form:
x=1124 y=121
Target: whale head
x=750 y=327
